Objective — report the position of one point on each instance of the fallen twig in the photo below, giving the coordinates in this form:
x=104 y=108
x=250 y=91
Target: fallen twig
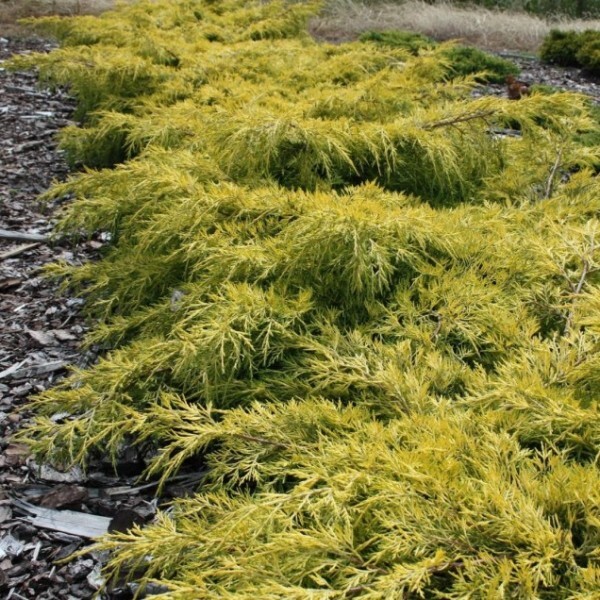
x=19 y=250
x=126 y=490
x=67 y=521
x=8 y=372
x=17 y=236
x=34 y=370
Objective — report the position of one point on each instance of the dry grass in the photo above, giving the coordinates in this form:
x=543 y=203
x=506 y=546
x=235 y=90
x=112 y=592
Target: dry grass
x=489 y=29
x=346 y=19
x=13 y=10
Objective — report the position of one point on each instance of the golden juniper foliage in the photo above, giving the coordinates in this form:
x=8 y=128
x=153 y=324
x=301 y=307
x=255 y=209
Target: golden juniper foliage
x=376 y=319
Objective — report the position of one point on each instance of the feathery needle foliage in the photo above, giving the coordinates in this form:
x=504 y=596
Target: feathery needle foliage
x=333 y=279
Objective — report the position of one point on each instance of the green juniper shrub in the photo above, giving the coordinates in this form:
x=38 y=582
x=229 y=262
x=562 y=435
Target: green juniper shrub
x=465 y=60
x=462 y=60
x=408 y=40
x=589 y=55
x=571 y=48
x=560 y=48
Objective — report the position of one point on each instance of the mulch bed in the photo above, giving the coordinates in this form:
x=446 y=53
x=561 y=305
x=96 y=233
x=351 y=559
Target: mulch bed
x=40 y=334
x=571 y=79
x=41 y=331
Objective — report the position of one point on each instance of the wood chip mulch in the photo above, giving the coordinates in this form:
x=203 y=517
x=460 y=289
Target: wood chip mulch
x=47 y=514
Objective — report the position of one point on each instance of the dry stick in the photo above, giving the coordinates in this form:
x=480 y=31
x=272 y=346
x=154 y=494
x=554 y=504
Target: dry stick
x=550 y=182
x=17 y=236
x=260 y=440
x=11 y=370
x=128 y=490
x=34 y=370
x=18 y=250
x=460 y=119
x=576 y=292
x=67 y=521
x=438 y=325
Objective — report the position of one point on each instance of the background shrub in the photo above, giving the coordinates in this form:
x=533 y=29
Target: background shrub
x=561 y=47
x=408 y=40
x=571 y=8
x=461 y=60
x=466 y=60
x=589 y=53
x=572 y=49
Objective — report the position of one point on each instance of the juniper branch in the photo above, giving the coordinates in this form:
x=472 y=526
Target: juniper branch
x=261 y=440
x=585 y=271
x=550 y=181
x=464 y=118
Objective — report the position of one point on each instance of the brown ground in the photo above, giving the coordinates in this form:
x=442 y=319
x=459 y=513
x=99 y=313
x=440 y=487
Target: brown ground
x=41 y=331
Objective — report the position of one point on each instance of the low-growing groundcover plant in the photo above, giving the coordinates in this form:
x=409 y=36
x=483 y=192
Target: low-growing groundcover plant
x=373 y=315
x=463 y=60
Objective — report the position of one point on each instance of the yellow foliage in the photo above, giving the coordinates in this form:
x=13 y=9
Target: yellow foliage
x=335 y=277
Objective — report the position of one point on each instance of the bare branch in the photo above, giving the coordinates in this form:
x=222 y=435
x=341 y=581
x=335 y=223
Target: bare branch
x=19 y=250
x=585 y=271
x=260 y=440
x=550 y=182
x=438 y=325
x=17 y=236
x=481 y=114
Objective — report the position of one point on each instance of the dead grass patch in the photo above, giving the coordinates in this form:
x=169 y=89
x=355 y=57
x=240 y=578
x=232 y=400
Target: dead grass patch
x=489 y=29
x=346 y=19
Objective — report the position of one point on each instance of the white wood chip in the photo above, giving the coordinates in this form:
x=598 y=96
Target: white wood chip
x=10 y=546
x=67 y=521
x=41 y=337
